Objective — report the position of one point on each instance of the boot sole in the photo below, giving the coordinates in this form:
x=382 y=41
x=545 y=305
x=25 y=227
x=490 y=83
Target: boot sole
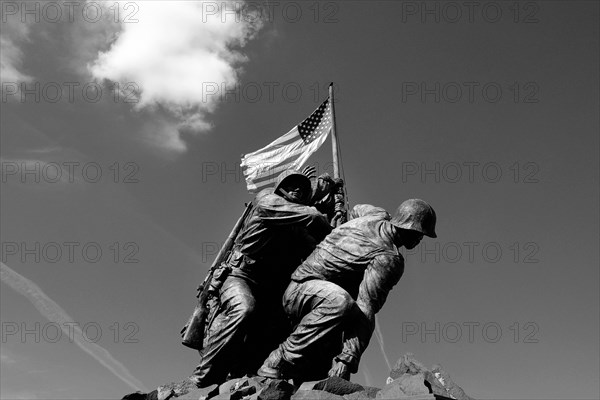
x=269 y=372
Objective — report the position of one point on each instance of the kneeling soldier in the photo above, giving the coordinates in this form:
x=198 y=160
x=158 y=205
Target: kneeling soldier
x=340 y=287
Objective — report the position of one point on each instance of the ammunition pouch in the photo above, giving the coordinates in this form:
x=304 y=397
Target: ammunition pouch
x=240 y=261
x=220 y=274
x=194 y=332
x=218 y=278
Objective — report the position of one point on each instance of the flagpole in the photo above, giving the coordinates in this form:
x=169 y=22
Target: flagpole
x=339 y=196
x=334 y=144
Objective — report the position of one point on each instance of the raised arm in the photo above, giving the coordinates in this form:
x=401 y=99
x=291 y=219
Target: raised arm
x=275 y=211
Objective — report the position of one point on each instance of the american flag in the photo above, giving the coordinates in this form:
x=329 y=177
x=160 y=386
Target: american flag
x=262 y=167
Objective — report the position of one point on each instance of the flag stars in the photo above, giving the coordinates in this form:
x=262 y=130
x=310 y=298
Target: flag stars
x=317 y=124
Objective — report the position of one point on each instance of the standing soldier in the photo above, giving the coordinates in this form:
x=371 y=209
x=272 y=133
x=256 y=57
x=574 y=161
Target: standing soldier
x=341 y=286
x=246 y=320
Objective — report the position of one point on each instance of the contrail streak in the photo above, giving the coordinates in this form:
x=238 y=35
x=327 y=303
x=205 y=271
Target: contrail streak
x=367 y=376
x=379 y=336
x=54 y=313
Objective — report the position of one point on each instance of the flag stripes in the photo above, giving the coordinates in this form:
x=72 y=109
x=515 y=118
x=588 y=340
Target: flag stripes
x=290 y=151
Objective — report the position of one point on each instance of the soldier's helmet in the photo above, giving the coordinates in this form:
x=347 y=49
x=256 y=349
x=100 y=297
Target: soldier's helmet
x=416 y=215
x=294 y=176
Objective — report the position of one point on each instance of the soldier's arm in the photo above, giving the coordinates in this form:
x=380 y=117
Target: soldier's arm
x=380 y=277
x=364 y=210
x=276 y=211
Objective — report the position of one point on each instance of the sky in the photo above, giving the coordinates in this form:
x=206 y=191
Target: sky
x=122 y=125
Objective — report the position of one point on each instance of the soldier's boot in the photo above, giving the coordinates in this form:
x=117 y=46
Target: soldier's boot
x=275 y=366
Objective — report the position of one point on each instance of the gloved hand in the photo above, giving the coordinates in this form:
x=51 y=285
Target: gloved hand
x=338 y=219
x=310 y=171
x=339 y=203
x=323 y=192
x=340 y=369
x=324 y=185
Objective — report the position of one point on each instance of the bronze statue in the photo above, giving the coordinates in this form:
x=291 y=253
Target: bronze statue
x=336 y=292
x=246 y=319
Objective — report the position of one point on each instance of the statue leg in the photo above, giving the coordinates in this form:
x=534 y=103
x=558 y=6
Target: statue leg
x=321 y=308
x=224 y=339
x=273 y=327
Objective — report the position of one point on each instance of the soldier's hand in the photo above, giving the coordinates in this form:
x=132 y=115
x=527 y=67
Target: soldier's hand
x=310 y=172
x=338 y=219
x=340 y=369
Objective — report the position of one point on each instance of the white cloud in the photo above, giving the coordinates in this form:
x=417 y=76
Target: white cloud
x=13 y=33
x=163 y=134
x=173 y=52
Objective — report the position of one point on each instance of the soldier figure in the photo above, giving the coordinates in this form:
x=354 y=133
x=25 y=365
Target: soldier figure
x=340 y=287
x=246 y=319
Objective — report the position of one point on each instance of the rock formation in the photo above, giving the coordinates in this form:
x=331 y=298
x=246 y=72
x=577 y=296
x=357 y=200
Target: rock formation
x=408 y=380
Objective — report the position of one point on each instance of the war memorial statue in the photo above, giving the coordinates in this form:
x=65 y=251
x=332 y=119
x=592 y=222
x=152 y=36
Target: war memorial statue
x=288 y=306
x=286 y=289
x=245 y=320
x=336 y=292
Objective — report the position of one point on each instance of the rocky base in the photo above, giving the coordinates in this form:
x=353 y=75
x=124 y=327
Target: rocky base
x=408 y=380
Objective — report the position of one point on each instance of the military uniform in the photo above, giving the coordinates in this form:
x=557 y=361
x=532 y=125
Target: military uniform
x=338 y=290
x=247 y=320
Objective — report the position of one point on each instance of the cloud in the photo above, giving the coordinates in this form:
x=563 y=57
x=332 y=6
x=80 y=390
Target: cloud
x=175 y=52
x=54 y=313
x=164 y=134
x=13 y=33
x=6 y=359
